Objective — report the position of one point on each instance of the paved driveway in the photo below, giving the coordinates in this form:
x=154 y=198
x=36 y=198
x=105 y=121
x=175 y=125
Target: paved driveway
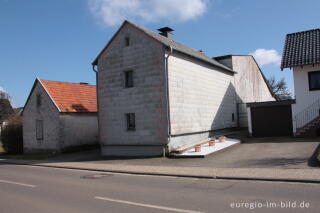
x=265 y=153
x=255 y=153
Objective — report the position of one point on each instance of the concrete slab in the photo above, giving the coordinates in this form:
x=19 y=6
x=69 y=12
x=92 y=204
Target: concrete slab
x=207 y=150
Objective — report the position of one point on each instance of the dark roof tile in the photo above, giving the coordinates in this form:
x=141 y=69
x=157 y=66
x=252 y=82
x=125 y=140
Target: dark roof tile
x=301 y=48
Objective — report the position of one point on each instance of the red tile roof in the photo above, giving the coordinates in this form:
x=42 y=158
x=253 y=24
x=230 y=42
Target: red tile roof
x=72 y=97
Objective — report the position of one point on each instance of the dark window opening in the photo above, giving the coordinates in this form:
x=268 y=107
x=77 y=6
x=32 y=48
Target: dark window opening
x=127 y=41
x=128 y=79
x=38 y=100
x=39 y=129
x=232 y=116
x=131 y=121
x=314 y=80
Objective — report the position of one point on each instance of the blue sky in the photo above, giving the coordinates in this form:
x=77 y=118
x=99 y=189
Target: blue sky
x=58 y=39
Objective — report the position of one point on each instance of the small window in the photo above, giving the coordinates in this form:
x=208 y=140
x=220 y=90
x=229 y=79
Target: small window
x=128 y=75
x=127 y=41
x=314 y=80
x=131 y=121
x=232 y=116
x=39 y=129
x=38 y=100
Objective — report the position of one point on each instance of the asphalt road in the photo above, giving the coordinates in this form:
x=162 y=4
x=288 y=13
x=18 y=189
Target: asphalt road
x=48 y=190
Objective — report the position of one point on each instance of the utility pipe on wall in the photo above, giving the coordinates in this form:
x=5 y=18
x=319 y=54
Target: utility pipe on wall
x=167 y=95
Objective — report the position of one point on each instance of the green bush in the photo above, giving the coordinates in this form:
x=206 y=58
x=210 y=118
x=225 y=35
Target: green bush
x=11 y=136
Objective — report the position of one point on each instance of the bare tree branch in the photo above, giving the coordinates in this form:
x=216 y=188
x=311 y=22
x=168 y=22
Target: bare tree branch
x=279 y=88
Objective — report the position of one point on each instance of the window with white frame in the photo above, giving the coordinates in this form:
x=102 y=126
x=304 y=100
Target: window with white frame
x=314 y=80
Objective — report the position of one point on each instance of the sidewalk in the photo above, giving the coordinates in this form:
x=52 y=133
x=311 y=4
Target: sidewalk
x=267 y=174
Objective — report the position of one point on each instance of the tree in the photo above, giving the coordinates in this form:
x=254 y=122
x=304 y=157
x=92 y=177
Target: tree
x=4 y=95
x=11 y=136
x=279 y=88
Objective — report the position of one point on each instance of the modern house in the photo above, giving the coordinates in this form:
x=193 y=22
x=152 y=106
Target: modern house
x=302 y=54
x=58 y=116
x=156 y=95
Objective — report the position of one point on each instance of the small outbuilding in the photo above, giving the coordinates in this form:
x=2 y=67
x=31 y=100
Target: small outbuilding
x=58 y=116
x=270 y=119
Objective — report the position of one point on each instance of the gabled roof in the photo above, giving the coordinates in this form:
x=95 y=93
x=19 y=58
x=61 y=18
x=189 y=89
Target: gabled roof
x=70 y=97
x=169 y=43
x=263 y=76
x=301 y=48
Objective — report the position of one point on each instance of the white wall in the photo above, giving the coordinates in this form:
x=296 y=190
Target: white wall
x=50 y=116
x=78 y=129
x=249 y=82
x=304 y=97
x=202 y=97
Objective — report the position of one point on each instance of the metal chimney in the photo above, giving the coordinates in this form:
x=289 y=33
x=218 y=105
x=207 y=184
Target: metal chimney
x=166 y=32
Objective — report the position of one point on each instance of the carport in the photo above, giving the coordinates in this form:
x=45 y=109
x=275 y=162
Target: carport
x=270 y=119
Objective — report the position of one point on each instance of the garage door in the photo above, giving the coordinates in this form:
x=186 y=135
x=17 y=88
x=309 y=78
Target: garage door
x=271 y=121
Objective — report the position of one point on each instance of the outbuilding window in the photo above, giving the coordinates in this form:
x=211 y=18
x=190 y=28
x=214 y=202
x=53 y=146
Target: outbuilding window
x=39 y=129
x=127 y=41
x=131 y=121
x=314 y=80
x=128 y=79
x=38 y=100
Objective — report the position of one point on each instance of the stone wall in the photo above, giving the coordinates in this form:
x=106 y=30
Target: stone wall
x=78 y=129
x=145 y=57
x=48 y=113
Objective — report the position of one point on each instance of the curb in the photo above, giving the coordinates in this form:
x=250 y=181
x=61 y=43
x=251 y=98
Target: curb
x=270 y=179
x=114 y=171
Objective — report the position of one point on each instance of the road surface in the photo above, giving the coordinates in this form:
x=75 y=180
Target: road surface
x=48 y=190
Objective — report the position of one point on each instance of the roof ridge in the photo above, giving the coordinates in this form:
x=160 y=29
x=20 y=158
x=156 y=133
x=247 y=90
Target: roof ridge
x=229 y=55
x=168 y=43
x=87 y=84
x=305 y=31
x=157 y=37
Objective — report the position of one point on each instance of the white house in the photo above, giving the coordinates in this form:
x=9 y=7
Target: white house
x=302 y=54
x=156 y=95
x=59 y=116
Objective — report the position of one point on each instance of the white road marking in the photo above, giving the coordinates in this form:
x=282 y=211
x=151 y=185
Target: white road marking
x=17 y=183
x=147 y=205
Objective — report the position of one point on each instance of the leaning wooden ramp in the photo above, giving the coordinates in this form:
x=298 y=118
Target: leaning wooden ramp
x=206 y=149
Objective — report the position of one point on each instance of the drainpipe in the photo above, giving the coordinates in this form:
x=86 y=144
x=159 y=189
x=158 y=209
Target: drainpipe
x=96 y=71
x=167 y=97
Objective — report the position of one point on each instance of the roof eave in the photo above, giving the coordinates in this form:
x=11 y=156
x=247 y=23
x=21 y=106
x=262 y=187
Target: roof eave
x=53 y=101
x=201 y=59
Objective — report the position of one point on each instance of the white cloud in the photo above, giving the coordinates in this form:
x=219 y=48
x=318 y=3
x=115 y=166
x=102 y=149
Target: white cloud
x=113 y=12
x=264 y=56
